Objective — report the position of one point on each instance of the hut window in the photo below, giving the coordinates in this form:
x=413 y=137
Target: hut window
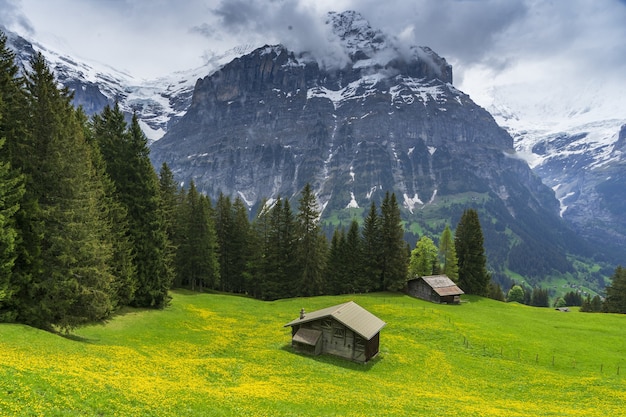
x=359 y=344
x=327 y=324
x=339 y=333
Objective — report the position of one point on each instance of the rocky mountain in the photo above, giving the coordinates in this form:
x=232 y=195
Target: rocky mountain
x=260 y=123
x=388 y=119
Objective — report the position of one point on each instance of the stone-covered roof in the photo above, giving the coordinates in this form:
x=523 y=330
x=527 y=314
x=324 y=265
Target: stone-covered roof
x=351 y=315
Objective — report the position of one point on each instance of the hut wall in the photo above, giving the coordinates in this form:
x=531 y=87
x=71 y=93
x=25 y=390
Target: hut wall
x=420 y=289
x=371 y=347
x=339 y=340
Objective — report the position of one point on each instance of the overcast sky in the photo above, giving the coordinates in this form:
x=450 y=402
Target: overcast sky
x=560 y=44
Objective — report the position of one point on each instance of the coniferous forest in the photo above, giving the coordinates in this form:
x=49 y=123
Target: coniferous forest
x=87 y=225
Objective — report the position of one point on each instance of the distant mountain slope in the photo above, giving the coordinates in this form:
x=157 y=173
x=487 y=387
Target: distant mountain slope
x=578 y=148
x=158 y=103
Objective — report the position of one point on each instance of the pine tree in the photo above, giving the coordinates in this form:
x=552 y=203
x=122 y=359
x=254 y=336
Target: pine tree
x=74 y=284
x=116 y=217
x=372 y=249
x=336 y=265
x=616 y=292
x=394 y=253
x=197 y=257
x=240 y=246
x=125 y=152
x=468 y=242
x=312 y=246
x=172 y=199
x=354 y=260
x=447 y=255
x=540 y=298
x=423 y=260
x=279 y=261
x=11 y=191
x=18 y=151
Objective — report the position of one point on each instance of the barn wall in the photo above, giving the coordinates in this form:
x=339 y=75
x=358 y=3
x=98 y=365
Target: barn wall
x=418 y=288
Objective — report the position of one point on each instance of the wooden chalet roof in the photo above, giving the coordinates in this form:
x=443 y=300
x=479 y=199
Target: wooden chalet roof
x=442 y=285
x=351 y=315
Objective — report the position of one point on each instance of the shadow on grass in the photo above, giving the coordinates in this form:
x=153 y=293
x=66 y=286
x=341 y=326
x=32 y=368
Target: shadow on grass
x=76 y=338
x=336 y=360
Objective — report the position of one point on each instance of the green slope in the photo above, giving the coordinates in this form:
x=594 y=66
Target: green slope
x=220 y=355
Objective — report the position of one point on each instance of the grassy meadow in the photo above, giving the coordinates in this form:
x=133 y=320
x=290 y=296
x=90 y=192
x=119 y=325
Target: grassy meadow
x=221 y=355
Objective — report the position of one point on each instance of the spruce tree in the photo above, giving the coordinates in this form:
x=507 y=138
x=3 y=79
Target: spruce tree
x=372 y=249
x=615 y=301
x=18 y=152
x=468 y=242
x=354 y=260
x=447 y=255
x=11 y=191
x=224 y=231
x=172 y=199
x=125 y=152
x=312 y=246
x=74 y=284
x=241 y=247
x=197 y=262
x=336 y=265
x=394 y=252
x=279 y=260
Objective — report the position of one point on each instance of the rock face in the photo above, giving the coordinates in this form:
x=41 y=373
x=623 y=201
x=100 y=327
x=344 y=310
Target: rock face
x=271 y=121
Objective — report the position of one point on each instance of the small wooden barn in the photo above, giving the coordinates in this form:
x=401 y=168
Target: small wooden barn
x=435 y=288
x=346 y=330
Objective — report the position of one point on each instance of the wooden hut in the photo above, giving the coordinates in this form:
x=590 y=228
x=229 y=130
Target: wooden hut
x=346 y=330
x=435 y=288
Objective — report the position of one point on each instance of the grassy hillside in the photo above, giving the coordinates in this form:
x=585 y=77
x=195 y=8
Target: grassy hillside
x=219 y=355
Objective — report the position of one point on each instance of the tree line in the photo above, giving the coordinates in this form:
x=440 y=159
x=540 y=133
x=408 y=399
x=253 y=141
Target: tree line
x=87 y=225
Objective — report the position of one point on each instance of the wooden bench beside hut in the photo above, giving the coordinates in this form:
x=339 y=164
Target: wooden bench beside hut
x=345 y=330
x=435 y=288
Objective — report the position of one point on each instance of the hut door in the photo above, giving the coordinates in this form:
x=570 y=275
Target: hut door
x=358 y=354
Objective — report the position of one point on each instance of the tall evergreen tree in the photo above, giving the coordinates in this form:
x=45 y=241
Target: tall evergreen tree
x=372 y=249
x=279 y=261
x=18 y=152
x=125 y=152
x=468 y=242
x=354 y=260
x=615 y=301
x=394 y=252
x=116 y=216
x=447 y=255
x=241 y=247
x=11 y=191
x=336 y=265
x=74 y=283
x=198 y=263
x=312 y=246
x=172 y=199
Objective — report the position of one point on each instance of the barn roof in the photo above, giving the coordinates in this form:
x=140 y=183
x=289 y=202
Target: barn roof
x=351 y=315
x=442 y=285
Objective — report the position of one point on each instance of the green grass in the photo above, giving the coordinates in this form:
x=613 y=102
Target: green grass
x=221 y=355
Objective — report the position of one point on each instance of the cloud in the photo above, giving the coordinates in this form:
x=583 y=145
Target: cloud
x=12 y=18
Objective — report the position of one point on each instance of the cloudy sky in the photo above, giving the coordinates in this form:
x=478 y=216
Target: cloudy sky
x=560 y=47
